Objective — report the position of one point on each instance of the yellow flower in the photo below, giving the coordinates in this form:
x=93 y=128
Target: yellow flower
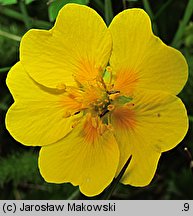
x=91 y=96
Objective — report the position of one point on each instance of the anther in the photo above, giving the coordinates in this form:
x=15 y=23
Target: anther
x=113 y=96
x=111 y=107
x=113 y=92
x=109 y=69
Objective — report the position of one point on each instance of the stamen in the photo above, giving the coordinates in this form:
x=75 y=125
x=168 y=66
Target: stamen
x=113 y=96
x=109 y=69
x=111 y=107
x=101 y=82
x=94 y=122
x=101 y=129
x=113 y=92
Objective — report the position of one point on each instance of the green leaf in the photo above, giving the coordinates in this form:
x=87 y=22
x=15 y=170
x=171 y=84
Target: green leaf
x=19 y=167
x=99 y=5
x=177 y=41
x=28 y=1
x=8 y=2
x=56 y=5
x=148 y=9
x=116 y=181
x=108 y=11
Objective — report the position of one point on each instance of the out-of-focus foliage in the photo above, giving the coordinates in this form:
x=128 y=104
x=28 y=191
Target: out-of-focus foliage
x=10 y=2
x=188 y=37
x=18 y=167
x=19 y=174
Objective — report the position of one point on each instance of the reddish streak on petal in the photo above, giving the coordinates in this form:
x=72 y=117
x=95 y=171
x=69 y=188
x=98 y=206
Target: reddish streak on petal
x=126 y=81
x=90 y=130
x=86 y=71
x=93 y=128
x=70 y=104
x=123 y=118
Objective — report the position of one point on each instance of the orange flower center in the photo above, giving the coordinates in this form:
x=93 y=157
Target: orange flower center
x=98 y=98
x=101 y=103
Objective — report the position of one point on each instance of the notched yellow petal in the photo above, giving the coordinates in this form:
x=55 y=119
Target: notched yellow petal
x=76 y=49
x=140 y=60
x=91 y=165
x=157 y=122
x=39 y=114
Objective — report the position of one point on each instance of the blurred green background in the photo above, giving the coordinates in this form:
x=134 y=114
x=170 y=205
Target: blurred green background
x=19 y=175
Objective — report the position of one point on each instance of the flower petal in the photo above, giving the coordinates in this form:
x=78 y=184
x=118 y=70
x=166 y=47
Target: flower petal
x=81 y=160
x=37 y=117
x=78 y=46
x=140 y=59
x=152 y=123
